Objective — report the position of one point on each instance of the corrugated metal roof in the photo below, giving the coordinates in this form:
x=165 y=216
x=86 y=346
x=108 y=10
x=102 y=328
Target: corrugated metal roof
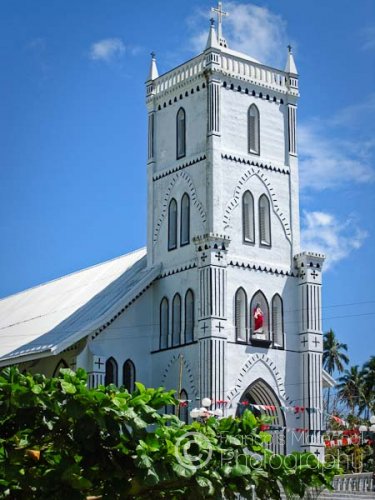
x=52 y=316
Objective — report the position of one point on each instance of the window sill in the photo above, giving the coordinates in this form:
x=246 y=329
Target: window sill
x=258 y=342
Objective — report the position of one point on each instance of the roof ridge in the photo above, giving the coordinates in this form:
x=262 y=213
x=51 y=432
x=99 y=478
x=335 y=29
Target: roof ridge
x=71 y=274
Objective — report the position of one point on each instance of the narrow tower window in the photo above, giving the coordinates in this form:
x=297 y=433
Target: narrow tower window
x=183 y=410
x=259 y=312
x=248 y=217
x=164 y=321
x=185 y=220
x=277 y=321
x=181 y=133
x=254 y=139
x=128 y=375
x=110 y=371
x=151 y=135
x=240 y=306
x=189 y=316
x=176 y=320
x=172 y=225
x=264 y=221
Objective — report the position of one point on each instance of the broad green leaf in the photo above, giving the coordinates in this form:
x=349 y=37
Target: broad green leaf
x=68 y=388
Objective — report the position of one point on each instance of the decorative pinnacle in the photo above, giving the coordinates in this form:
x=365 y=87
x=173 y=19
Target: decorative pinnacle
x=212 y=21
x=289 y=48
x=153 y=73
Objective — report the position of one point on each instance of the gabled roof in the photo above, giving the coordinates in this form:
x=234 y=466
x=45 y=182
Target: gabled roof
x=328 y=380
x=49 y=318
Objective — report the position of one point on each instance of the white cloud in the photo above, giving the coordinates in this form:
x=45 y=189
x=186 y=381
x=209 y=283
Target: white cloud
x=355 y=114
x=107 y=49
x=322 y=232
x=251 y=29
x=328 y=162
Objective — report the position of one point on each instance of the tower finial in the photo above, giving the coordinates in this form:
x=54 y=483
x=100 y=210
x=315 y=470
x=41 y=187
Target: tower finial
x=220 y=13
x=290 y=64
x=153 y=73
x=212 y=38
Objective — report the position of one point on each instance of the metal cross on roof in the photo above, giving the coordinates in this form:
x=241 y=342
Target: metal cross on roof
x=220 y=13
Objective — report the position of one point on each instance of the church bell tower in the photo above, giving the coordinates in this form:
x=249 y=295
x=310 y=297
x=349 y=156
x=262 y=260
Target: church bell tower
x=223 y=221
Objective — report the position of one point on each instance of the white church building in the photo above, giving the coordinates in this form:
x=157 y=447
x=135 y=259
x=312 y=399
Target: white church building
x=222 y=303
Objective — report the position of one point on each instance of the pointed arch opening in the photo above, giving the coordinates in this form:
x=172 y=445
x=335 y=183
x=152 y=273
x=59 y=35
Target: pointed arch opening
x=111 y=371
x=172 y=224
x=181 y=133
x=185 y=220
x=128 y=375
x=61 y=364
x=183 y=409
x=189 y=316
x=261 y=393
x=259 y=320
x=264 y=221
x=277 y=321
x=240 y=315
x=253 y=130
x=248 y=231
x=164 y=323
x=176 y=320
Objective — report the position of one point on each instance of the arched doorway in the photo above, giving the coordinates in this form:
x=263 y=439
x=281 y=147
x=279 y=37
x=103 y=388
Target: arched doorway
x=260 y=393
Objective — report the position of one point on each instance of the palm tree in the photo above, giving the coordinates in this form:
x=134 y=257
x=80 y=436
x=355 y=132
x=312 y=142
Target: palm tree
x=333 y=357
x=351 y=388
x=368 y=373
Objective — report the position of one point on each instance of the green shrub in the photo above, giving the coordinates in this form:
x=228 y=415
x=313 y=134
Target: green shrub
x=61 y=440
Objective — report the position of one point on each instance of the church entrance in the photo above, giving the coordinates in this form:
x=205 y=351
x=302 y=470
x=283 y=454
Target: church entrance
x=260 y=393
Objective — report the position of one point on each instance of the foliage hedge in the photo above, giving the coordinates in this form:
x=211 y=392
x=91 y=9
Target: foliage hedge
x=61 y=440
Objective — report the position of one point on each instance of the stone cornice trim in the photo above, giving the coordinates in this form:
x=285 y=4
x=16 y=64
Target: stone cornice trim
x=261 y=267
x=172 y=170
x=255 y=163
x=176 y=270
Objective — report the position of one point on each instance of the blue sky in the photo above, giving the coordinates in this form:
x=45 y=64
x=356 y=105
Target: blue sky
x=73 y=132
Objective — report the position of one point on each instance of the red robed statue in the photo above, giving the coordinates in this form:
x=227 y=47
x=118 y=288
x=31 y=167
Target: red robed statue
x=258 y=319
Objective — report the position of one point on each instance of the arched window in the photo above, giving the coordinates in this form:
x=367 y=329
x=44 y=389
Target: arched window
x=181 y=133
x=164 y=323
x=277 y=321
x=240 y=306
x=264 y=221
x=172 y=225
x=259 y=314
x=61 y=364
x=189 y=316
x=176 y=320
x=128 y=375
x=185 y=220
x=248 y=217
x=111 y=371
x=183 y=409
x=254 y=125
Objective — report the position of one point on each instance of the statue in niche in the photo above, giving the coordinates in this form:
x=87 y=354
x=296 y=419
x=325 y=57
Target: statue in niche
x=258 y=319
